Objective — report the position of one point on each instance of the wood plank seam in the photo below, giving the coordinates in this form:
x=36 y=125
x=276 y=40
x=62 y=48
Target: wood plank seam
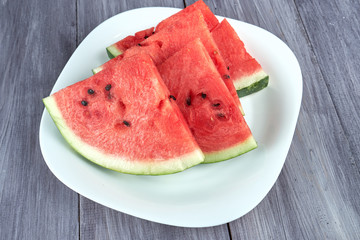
x=229 y=231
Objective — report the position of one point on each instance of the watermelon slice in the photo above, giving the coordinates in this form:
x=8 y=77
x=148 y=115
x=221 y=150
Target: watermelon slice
x=209 y=109
x=123 y=119
x=176 y=36
x=119 y=47
x=246 y=73
x=209 y=17
x=153 y=50
x=180 y=33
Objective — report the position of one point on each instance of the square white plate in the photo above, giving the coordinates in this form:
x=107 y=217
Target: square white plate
x=207 y=194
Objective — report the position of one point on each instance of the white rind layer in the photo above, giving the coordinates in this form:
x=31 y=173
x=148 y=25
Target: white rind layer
x=118 y=163
x=241 y=148
x=96 y=70
x=249 y=80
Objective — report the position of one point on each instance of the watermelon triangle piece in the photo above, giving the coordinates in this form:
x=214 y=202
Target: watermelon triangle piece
x=180 y=33
x=122 y=119
x=121 y=46
x=153 y=50
x=209 y=17
x=208 y=108
x=175 y=37
x=246 y=73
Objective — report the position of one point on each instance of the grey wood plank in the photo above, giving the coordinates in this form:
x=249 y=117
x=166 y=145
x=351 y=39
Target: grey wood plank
x=33 y=203
x=99 y=222
x=316 y=195
x=335 y=38
x=96 y=221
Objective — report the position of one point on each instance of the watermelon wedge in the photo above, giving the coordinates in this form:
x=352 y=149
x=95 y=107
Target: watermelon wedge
x=175 y=37
x=209 y=109
x=209 y=17
x=123 y=119
x=180 y=33
x=153 y=50
x=246 y=73
x=119 y=47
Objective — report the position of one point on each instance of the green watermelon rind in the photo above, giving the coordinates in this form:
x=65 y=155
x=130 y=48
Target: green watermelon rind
x=231 y=152
x=113 y=51
x=251 y=84
x=255 y=87
x=115 y=163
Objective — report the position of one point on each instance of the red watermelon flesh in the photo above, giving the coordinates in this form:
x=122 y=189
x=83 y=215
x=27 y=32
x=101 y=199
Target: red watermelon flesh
x=119 y=47
x=246 y=73
x=209 y=17
x=209 y=109
x=176 y=36
x=130 y=41
x=122 y=119
x=153 y=50
x=221 y=66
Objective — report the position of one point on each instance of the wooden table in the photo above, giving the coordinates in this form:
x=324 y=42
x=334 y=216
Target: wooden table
x=317 y=195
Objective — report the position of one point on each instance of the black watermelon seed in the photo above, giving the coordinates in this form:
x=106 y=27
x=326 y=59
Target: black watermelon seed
x=126 y=123
x=146 y=37
x=226 y=76
x=108 y=87
x=220 y=115
x=228 y=68
x=90 y=91
x=188 y=101
x=203 y=95
x=139 y=44
x=172 y=97
x=153 y=32
x=216 y=104
x=84 y=103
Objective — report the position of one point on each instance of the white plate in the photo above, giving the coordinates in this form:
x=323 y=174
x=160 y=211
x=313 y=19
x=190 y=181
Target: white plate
x=207 y=194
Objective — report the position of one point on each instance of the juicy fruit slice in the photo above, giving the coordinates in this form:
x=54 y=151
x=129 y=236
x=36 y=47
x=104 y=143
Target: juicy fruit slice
x=209 y=17
x=246 y=73
x=153 y=50
x=180 y=33
x=119 y=47
x=122 y=119
x=176 y=36
x=209 y=109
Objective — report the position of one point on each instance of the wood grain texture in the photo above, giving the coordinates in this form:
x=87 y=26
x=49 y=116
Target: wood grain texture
x=309 y=200
x=33 y=203
x=96 y=221
x=335 y=41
